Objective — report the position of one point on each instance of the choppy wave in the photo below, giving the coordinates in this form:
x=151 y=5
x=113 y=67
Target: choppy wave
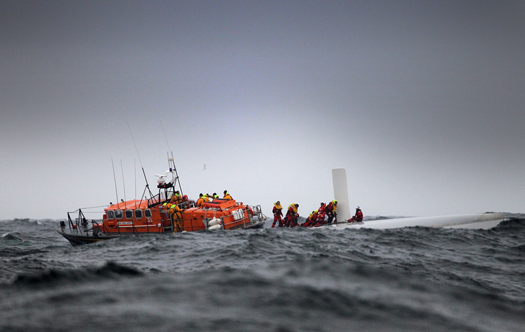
x=59 y=277
x=407 y=279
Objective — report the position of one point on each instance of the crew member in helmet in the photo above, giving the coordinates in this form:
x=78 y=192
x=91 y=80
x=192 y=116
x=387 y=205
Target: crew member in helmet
x=277 y=214
x=358 y=217
x=185 y=203
x=227 y=195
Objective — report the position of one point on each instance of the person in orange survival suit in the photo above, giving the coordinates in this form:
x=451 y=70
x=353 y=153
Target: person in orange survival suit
x=200 y=200
x=206 y=198
x=358 y=217
x=290 y=220
x=227 y=195
x=277 y=214
x=176 y=198
x=175 y=215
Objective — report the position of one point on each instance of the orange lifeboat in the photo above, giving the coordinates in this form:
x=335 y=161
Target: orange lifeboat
x=152 y=216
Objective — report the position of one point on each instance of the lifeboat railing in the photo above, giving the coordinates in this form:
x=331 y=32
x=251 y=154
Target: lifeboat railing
x=156 y=200
x=79 y=224
x=240 y=214
x=257 y=211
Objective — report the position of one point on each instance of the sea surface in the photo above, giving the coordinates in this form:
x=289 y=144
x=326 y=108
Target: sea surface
x=271 y=279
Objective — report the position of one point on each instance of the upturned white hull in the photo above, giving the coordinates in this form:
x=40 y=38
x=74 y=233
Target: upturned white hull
x=476 y=221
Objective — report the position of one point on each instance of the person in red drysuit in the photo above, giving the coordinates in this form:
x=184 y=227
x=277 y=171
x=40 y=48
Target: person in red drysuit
x=330 y=211
x=311 y=220
x=321 y=212
x=290 y=220
x=277 y=214
x=358 y=217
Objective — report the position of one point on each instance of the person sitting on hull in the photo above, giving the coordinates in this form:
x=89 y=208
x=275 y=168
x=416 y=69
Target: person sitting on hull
x=321 y=213
x=227 y=195
x=277 y=214
x=290 y=220
x=311 y=220
x=358 y=216
x=331 y=211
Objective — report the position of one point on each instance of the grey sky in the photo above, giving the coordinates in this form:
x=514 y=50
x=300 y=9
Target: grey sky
x=422 y=102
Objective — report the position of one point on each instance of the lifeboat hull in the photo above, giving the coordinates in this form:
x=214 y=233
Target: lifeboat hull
x=80 y=239
x=123 y=220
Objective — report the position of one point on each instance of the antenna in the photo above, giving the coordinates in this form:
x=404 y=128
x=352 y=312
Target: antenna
x=135 y=168
x=123 y=182
x=135 y=144
x=140 y=161
x=115 y=180
x=172 y=161
x=165 y=137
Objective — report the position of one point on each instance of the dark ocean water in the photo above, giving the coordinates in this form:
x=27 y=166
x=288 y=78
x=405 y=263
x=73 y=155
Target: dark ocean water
x=409 y=279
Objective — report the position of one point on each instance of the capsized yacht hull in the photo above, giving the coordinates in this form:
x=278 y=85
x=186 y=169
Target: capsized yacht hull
x=475 y=221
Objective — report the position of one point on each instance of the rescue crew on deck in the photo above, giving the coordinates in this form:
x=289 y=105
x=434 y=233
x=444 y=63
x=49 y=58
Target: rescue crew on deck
x=176 y=198
x=227 y=195
x=200 y=200
x=176 y=215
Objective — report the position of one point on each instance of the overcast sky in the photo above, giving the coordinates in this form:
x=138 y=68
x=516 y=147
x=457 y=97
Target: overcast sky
x=422 y=102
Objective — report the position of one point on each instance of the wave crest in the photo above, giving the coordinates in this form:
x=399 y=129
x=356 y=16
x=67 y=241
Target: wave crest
x=110 y=270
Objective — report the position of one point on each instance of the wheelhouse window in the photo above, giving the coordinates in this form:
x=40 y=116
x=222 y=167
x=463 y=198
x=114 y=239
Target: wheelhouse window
x=129 y=214
x=118 y=214
x=110 y=214
x=147 y=213
x=138 y=214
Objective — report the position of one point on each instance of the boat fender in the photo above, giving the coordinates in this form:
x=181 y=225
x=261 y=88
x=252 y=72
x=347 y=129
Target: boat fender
x=214 y=221
x=214 y=227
